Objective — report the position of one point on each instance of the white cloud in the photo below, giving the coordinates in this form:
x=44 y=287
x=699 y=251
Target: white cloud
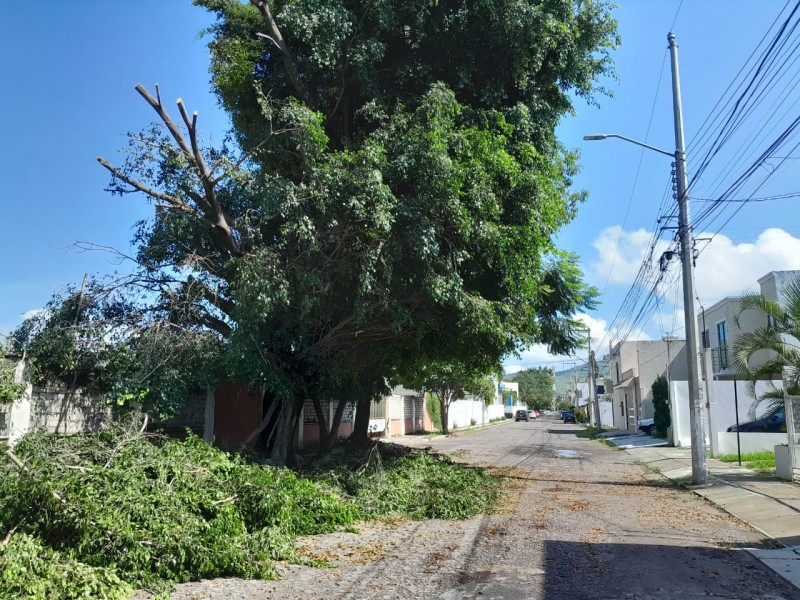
x=727 y=269
x=33 y=313
x=620 y=254
x=538 y=356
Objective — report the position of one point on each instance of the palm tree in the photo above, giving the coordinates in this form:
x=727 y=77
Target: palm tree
x=780 y=338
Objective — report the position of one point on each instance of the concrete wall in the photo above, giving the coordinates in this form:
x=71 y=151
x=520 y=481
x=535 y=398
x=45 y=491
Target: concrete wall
x=750 y=442
x=55 y=409
x=723 y=414
x=494 y=412
x=463 y=412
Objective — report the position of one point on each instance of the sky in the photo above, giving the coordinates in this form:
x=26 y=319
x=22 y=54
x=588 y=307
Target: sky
x=68 y=71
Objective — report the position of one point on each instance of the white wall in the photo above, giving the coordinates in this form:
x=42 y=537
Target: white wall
x=750 y=442
x=606 y=413
x=462 y=412
x=723 y=414
x=494 y=411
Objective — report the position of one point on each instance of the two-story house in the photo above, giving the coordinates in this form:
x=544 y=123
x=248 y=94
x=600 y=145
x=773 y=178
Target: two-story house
x=634 y=367
x=721 y=323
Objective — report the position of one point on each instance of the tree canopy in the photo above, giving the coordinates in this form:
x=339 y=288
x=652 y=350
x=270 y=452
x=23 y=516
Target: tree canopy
x=535 y=387
x=388 y=195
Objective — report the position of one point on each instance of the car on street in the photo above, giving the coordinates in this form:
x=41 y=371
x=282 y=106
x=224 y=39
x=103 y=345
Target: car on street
x=569 y=417
x=521 y=415
x=648 y=426
x=775 y=423
x=531 y=414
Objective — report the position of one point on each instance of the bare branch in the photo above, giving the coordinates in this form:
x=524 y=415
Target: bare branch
x=266 y=37
x=289 y=64
x=171 y=200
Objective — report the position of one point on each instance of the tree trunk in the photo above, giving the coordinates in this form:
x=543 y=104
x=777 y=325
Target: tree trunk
x=282 y=452
x=361 y=426
x=329 y=441
x=322 y=422
x=444 y=406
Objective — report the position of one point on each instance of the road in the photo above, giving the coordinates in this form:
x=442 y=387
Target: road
x=583 y=521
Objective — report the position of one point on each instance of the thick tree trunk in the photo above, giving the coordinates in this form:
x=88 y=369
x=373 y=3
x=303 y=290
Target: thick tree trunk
x=282 y=452
x=332 y=435
x=361 y=426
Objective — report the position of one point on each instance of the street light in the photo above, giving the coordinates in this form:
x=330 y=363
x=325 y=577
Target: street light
x=604 y=136
x=699 y=463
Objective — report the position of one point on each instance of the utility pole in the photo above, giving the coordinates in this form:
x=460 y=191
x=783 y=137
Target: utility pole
x=593 y=377
x=699 y=464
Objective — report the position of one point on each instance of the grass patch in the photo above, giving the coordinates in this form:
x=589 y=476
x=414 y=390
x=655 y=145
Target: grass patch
x=758 y=461
x=120 y=510
x=591 y=432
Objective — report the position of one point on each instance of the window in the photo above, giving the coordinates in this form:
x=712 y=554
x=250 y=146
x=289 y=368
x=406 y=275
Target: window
x=722 y=338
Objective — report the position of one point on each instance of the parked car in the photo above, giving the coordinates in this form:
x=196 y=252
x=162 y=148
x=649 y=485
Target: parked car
x=647 y=425
x=531 y=414
x=776 y=422
x=521 y=415
x=569 y=417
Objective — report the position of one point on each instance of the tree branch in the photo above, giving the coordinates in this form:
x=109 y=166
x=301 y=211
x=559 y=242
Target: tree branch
x=289 y=64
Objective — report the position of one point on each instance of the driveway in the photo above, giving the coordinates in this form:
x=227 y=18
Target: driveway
x=582 y=521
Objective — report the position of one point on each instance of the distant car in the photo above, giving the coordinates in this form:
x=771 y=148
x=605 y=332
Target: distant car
x=569 y=417
x=531 y=414
x=776 y=423
x=537 y=413
x=647 y=425
x=521 y=415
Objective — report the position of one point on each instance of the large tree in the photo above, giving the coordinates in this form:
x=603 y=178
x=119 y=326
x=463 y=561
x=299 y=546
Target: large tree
x=388 y=195
x=536 y=387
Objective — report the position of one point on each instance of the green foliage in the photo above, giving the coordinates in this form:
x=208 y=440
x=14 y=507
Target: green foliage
x=535 y=387
x=394 y=206
x=155 y=510
x=779 y=341
x=434 y=407
x=395 y=481
x=29 y=570
x=661 y=418
x=758 y=461
x=119 y=509
x=580 y=415
x=9 y=389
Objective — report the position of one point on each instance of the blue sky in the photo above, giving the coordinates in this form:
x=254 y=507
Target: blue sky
x=68 y=70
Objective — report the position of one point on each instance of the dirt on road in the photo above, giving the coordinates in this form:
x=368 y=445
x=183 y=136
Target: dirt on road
x=581 y=521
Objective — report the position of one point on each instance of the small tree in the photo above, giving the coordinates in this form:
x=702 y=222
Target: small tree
x=781 y=337
x=661 y=418
x=449 y=382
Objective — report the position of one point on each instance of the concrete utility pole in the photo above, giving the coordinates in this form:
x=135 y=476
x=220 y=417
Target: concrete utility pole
x=593 y=391
x=699 y=464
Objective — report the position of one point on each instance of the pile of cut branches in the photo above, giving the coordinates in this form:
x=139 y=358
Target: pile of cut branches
x=100 y=515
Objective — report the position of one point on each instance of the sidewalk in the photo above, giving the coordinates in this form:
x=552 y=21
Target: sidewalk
x=766 y=503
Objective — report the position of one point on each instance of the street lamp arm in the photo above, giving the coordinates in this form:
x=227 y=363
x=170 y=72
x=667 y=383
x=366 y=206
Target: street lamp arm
x=605 y=136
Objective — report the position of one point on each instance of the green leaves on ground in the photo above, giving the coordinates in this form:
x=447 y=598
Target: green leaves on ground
x=120 y=509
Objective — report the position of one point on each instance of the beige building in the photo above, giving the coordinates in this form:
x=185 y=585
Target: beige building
x=634 y=366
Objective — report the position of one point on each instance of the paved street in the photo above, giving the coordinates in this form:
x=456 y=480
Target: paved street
x=583 y=521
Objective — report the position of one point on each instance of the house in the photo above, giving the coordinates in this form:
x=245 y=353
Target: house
x=634 y=366
x=720 y=324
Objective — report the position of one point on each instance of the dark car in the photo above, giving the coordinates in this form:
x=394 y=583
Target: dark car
x=776 y=423
x=648 y=426
x=569 y=417
x=521 y=415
